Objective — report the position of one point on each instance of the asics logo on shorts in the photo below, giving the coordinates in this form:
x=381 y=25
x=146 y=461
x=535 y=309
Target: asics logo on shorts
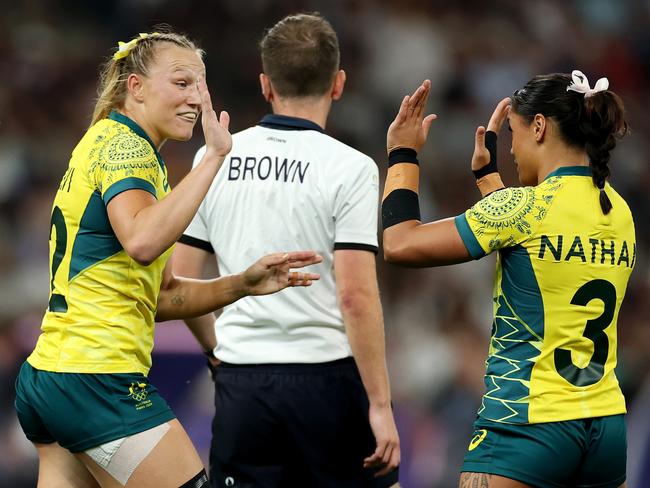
x=477 y=439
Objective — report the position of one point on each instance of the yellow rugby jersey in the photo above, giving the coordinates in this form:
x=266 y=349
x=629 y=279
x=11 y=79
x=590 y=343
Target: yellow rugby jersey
x=562 y=271
x=100 y=317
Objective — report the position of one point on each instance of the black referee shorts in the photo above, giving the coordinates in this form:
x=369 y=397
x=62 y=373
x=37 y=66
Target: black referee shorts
x=290 y=426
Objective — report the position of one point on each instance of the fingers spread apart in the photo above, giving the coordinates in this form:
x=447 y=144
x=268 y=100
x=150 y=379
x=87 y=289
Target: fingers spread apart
x=295 y=278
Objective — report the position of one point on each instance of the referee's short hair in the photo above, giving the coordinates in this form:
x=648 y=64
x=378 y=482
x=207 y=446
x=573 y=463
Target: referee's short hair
x=300 y=55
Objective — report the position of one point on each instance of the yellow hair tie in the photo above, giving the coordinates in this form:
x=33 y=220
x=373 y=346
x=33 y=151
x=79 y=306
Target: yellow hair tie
x=124 y=48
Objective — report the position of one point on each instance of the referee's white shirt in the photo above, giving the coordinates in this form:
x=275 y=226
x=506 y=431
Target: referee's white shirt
x=286 y=186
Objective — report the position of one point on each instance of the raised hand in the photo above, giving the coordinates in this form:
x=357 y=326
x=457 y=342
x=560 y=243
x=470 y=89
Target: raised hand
x=218 y=140
x=485 y=154
x=272 y=273
x=410 y=127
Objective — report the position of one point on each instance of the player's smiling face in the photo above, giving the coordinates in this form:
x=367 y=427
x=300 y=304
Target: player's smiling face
x=522 y=148
x=171 y=97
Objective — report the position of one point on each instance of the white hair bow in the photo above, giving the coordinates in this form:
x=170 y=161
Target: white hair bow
x=581 y=84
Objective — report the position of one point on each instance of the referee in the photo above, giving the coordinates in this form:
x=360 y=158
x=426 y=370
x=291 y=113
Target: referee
x=302 y=395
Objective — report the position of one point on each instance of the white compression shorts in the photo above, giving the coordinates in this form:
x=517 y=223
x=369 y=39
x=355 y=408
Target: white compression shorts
x=122 y=456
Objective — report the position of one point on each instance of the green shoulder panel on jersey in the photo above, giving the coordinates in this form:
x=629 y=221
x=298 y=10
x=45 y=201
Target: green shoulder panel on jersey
x=517 y=334
x=473 y=247
x=95 y=239
x=131 y=183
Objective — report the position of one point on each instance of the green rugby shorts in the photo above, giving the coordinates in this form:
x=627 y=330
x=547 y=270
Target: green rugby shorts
x=584 y=453
x=81 y=410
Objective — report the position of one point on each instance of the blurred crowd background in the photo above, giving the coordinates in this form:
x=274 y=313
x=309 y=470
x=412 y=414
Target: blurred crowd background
x=437 y=320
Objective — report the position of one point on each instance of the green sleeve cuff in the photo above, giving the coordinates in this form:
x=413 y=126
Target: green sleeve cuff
x=469 y=239
x=132 y=183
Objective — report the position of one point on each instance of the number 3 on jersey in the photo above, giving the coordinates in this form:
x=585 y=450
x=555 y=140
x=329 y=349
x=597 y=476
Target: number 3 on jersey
x=595 y=331
x=58 y=302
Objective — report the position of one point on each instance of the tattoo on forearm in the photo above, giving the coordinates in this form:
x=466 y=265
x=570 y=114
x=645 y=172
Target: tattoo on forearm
x=178 y=300
x=474 y=480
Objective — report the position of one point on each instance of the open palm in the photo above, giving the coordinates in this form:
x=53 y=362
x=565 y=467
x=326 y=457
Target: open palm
x=215 y=130
x=273 y=273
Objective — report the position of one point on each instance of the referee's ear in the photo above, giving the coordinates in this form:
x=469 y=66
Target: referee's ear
x=267 y=88
x=338 y=85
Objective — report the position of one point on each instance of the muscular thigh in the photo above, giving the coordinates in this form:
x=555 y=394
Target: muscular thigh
x=59 y=468
x=166 y=459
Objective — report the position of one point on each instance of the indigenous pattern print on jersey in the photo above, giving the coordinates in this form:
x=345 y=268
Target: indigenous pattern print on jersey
x=102 y=304
x=562 y=271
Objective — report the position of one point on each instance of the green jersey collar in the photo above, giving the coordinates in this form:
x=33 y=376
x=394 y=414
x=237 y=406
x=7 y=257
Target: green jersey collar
x=571 y=171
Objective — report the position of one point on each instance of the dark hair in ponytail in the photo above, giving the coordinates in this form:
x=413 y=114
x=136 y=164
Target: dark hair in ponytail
x=594 y=122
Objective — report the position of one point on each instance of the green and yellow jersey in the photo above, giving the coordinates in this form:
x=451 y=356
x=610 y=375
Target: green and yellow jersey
x=562 y=271
x=100 y=317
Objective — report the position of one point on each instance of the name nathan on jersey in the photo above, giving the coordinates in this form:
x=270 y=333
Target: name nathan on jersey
x=280 y=169
x=596 y=251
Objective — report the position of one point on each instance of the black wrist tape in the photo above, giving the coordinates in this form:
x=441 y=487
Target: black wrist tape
x=401 y=205
x=491 y=146
x=403 y=155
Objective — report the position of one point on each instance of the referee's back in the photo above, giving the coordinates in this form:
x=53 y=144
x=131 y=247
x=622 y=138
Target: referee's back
x=287 y=185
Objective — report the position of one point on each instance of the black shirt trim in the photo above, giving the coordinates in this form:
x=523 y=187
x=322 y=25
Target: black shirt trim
x=355 y=246
x=194 y=242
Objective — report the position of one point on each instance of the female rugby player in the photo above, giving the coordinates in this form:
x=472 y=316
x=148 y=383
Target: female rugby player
x=553 y=412
x=82 y=396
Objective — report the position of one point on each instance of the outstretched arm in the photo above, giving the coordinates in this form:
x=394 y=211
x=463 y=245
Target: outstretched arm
x=182 y=298
x=406 y=240
x=189 y=262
